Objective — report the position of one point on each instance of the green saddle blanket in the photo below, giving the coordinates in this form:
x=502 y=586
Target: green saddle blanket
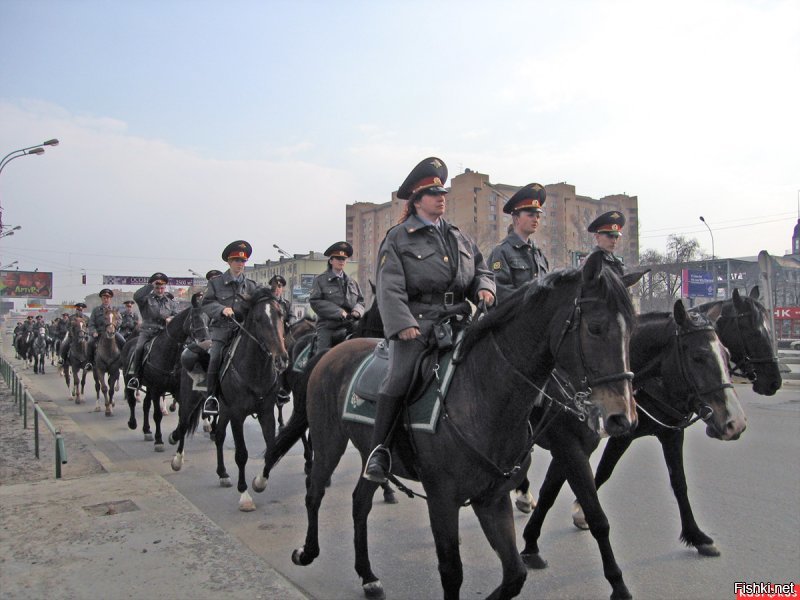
x=423 y=414
x=302 y=359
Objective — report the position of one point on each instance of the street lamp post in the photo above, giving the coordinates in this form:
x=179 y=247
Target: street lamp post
x=10 y=231
x=713 y=256
x=281 y=251
x=37 y=149
x=8 y=266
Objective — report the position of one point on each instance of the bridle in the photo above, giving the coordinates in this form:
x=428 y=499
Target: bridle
x=703 y=411
x=266 y=299
x=744 y=367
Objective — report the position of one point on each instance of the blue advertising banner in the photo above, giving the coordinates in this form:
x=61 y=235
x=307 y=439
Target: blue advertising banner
x=140 y=281
x=697 y=284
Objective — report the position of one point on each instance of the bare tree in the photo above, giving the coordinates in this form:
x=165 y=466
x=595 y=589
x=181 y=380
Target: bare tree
x=662 y=286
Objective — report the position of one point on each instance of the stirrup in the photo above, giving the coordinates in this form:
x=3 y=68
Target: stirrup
x=282 y=398
x=211 y=406
x=133 y=383
x=374 y=470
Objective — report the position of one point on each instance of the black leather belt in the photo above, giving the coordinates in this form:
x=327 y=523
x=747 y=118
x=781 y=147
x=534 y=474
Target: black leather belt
x=445 y=298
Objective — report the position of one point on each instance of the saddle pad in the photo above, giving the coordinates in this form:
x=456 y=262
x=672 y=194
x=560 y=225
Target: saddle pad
x=423 y=414
x=302 y=359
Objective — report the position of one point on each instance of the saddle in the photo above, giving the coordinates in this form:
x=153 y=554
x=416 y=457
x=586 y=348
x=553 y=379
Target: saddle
x=426 y=395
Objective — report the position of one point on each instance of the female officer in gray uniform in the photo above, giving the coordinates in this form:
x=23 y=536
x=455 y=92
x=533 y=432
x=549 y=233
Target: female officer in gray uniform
x=607 y=229
x=336 y=298
x=226 y=298
x=157 y=309
x=517 y=260
x=425 y=266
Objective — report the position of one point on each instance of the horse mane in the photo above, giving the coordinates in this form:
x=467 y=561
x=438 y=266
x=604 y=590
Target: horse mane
x=531 y=295
x=261 y=293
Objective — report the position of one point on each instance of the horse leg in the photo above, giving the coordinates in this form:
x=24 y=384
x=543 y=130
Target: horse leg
x=280 y=418
x=496 y=517
x=443 y=516
x=246 y=503
x=613 y=451
x=333 y=447
x=553 y=480
x=158 y=415
x=219 y=441
x=362 y=505
x=131 y=399
x=691 y=534
x=579 y=475
x=266 y=418
x=146 y=404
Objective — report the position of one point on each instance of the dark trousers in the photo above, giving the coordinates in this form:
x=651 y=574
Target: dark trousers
x=136 y=361
x=215 y=358
x=403 y=357
x=328 y=338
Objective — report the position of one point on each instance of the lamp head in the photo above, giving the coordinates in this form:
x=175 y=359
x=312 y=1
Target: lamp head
x=53 y=142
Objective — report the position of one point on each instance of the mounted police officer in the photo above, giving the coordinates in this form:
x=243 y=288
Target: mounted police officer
x=226 y=298
x=425 y=267
x=98 y=322
x=157 y=310
x=128 y=320
x=517 y=260
x=278 y=285
x=336 y=298
x=607 y=229
x=78 y=314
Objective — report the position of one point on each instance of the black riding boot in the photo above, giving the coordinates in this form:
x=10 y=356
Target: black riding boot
x=379 y=463
x=134 y=368
x=90 y=353
x=211 y=406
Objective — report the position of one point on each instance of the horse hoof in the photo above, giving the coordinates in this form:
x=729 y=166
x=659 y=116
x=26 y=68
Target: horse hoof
x=131 y=423
x=148 y=437
x=389 y=498
x=109 y=412
x=621 y=594
x=525 y=502
x=172 y=439
x=708 y=550
x=172 y=407
x=534 y=561
x=177 y=462
x=299 y=557
x=246 y=503
x=374 y=590
x=259 y=483
x=225 y=482
x=206 y=426
x=97 y=409
x=578 y=518
x=159 y=447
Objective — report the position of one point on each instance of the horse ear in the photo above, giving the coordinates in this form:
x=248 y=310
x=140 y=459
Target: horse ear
x=679 y=312
x=373 y=286
x=592 y=267
x=714 y=312
x=755 y=292
x=738 y=301
x=630 y=279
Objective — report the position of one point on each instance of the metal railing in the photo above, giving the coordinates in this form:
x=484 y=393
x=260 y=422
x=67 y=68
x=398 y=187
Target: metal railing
x=21 y=398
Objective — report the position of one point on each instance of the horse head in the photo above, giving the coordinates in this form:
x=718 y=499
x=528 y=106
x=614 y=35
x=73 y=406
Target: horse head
x=196 y=326
x=592 y=348
x=111 y=317
x=265 y=319
x=701 y=361
x=744 y=329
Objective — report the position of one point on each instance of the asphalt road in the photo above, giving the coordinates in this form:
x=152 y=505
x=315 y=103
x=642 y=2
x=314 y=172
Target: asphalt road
x=745 y=495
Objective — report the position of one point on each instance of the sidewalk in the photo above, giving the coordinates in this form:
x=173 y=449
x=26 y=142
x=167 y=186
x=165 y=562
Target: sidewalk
x=112 y=535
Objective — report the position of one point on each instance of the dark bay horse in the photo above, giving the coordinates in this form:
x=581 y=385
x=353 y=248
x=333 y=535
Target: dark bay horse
x=676 y=357
x=742 y=324
x=77 y=358
x=160 y=374
x=39 y=351
x=107 y=362
x=23 y=344
x=250 y=383
x=571 y=327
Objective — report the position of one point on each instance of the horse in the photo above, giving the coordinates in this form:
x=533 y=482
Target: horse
x=107 y=362
x=77 y=358
x=160 y=373
x=571 y=327
x=250 y=384
x=23 y=344
x=742 y=327
x=680 y=370
x=39 y=351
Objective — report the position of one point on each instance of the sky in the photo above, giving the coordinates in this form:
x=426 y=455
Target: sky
x=184 y=125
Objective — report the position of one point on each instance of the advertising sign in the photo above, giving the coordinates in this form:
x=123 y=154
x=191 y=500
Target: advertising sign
x=140 y=281
x=697 y=284
x=26 y=284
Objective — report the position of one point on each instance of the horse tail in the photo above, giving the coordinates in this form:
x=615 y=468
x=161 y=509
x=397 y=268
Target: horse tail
x=298 y=422
x=194 y=417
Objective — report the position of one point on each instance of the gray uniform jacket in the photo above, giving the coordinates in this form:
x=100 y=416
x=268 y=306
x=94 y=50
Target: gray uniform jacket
x=224 y=292
x=330 y=294
x=97 y=320
x=416 y=267
x=514 y=262
x=154 y=309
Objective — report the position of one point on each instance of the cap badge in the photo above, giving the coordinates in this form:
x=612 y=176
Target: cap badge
x=497 y=265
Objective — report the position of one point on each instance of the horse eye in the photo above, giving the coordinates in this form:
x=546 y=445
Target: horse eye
x=596 y=327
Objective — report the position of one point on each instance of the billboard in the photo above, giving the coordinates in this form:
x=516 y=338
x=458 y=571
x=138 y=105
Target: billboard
x=26 y=284
x=140 y=281
x=697 y=284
